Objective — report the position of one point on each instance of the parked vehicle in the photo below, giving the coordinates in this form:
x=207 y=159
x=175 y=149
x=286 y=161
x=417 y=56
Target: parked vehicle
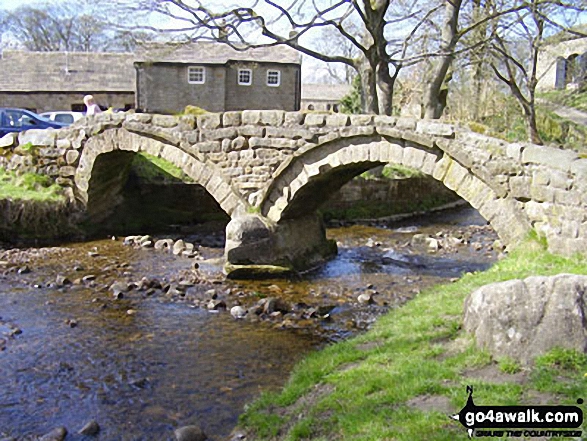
x=19 y=120
x=63 y=116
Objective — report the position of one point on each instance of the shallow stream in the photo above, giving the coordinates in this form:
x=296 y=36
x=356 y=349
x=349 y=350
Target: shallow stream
x=73 y=349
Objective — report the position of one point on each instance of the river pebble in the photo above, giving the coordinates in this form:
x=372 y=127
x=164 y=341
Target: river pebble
x=57 y=434
x=238 y=312
x=90 y=429
x=190 y=433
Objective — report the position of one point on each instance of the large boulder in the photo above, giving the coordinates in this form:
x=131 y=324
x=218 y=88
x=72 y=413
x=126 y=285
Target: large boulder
x=525 y=318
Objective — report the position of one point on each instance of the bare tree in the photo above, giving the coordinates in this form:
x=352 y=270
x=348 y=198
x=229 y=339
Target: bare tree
x=368 y=28
x=67 y=26
x=517 y=44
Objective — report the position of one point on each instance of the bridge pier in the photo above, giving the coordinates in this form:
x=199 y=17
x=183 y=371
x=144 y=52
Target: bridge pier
x=257 y=247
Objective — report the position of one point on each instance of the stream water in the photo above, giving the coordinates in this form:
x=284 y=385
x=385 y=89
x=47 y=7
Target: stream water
x=142 y=365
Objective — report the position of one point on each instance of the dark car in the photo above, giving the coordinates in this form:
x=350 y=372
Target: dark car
x=19 y=120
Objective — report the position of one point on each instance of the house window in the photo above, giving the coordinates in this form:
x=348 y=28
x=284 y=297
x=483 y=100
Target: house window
x=245 y=77
x=196 y=75
x=273 y=78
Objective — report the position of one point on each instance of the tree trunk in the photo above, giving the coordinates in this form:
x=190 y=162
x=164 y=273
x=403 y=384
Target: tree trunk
x=385 y=84
x=531 y=125
x=369 y=101
x=434 y=101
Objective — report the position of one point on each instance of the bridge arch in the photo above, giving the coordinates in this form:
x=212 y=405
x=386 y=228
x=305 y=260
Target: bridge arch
x=308 y=179
x=106 y=158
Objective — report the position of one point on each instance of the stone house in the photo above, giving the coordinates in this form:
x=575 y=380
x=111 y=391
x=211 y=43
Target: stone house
x=45 y=81
x=323 y=97
x=563 y=64
x=216 y=77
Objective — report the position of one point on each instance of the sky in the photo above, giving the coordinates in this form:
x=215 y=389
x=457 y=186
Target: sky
x=313 y=71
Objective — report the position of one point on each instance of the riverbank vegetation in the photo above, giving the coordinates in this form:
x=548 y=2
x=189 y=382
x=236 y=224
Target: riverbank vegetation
x=154 y=169
x=570 y=98
x=28 y=187
x=502 y=119
x=404 y=377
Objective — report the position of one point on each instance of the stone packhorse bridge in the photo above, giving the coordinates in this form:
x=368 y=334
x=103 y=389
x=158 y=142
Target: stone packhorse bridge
x=270 y=171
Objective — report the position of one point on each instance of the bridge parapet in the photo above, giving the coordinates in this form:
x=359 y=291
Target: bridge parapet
x=276 y=163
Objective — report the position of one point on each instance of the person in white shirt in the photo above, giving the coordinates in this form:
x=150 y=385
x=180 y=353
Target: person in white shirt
x=91 y=107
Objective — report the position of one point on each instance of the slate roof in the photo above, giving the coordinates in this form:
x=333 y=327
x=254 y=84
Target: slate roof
x=324 y=92
x=207 y=52
x=23 y=71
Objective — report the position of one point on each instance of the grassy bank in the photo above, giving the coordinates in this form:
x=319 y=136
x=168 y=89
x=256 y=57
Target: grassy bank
x=569 y=98
x=400 y=380
x=28 y=187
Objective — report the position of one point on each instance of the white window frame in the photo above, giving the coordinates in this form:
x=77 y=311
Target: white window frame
x=274 y=71
x=194 y=68
x=242 y=83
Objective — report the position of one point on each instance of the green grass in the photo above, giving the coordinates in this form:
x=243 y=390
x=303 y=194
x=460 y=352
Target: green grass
x=394 y=171
x=569 y=98
x=155 y=169
x=360 y=389
x=28 y=186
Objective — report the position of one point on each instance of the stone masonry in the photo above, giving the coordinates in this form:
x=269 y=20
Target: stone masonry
x=280 y=166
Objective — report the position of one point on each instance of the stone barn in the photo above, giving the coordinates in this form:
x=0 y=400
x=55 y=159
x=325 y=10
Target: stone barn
x=45 y=81
x=216 y=77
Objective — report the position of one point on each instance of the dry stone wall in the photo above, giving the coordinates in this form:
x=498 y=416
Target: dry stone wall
x=266 y=161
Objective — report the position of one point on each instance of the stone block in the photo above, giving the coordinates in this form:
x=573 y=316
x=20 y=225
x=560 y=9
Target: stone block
x=433 y=128
x=209 y=146
x=361 y=120
x=294 y=118
x=384 y=120
x=165 y=121
x=71 y=157
x=63 y=143
x=67 y=171
x=567 y=197
x=413 y=158
x=357 y=131
x=328 y=137
x=429 y=163
x=520 y=187
x=403 y=123
x=289 y=132
x=389 y=132
x=239 y=143
x=542 y=193
x=337 y=120
x=455 y=173
x=144 y=118
x=566 y=246
x=252 y=117
x=514 y=151
x=8 y=140
x=419 y=139
x=441 y=167
x=559 y=179
x=38 y=137
x=360 y=153
x=579 y=168
x=230 y=119
x=209 y=121
x=219 y=134
x=551 y=157
x=315 y=120
x=251 y=130
x=186 y=123
x=540 y=177
x=272 y=117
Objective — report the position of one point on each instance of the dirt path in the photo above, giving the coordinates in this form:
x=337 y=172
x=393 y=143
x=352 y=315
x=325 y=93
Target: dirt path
x=574 y=115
